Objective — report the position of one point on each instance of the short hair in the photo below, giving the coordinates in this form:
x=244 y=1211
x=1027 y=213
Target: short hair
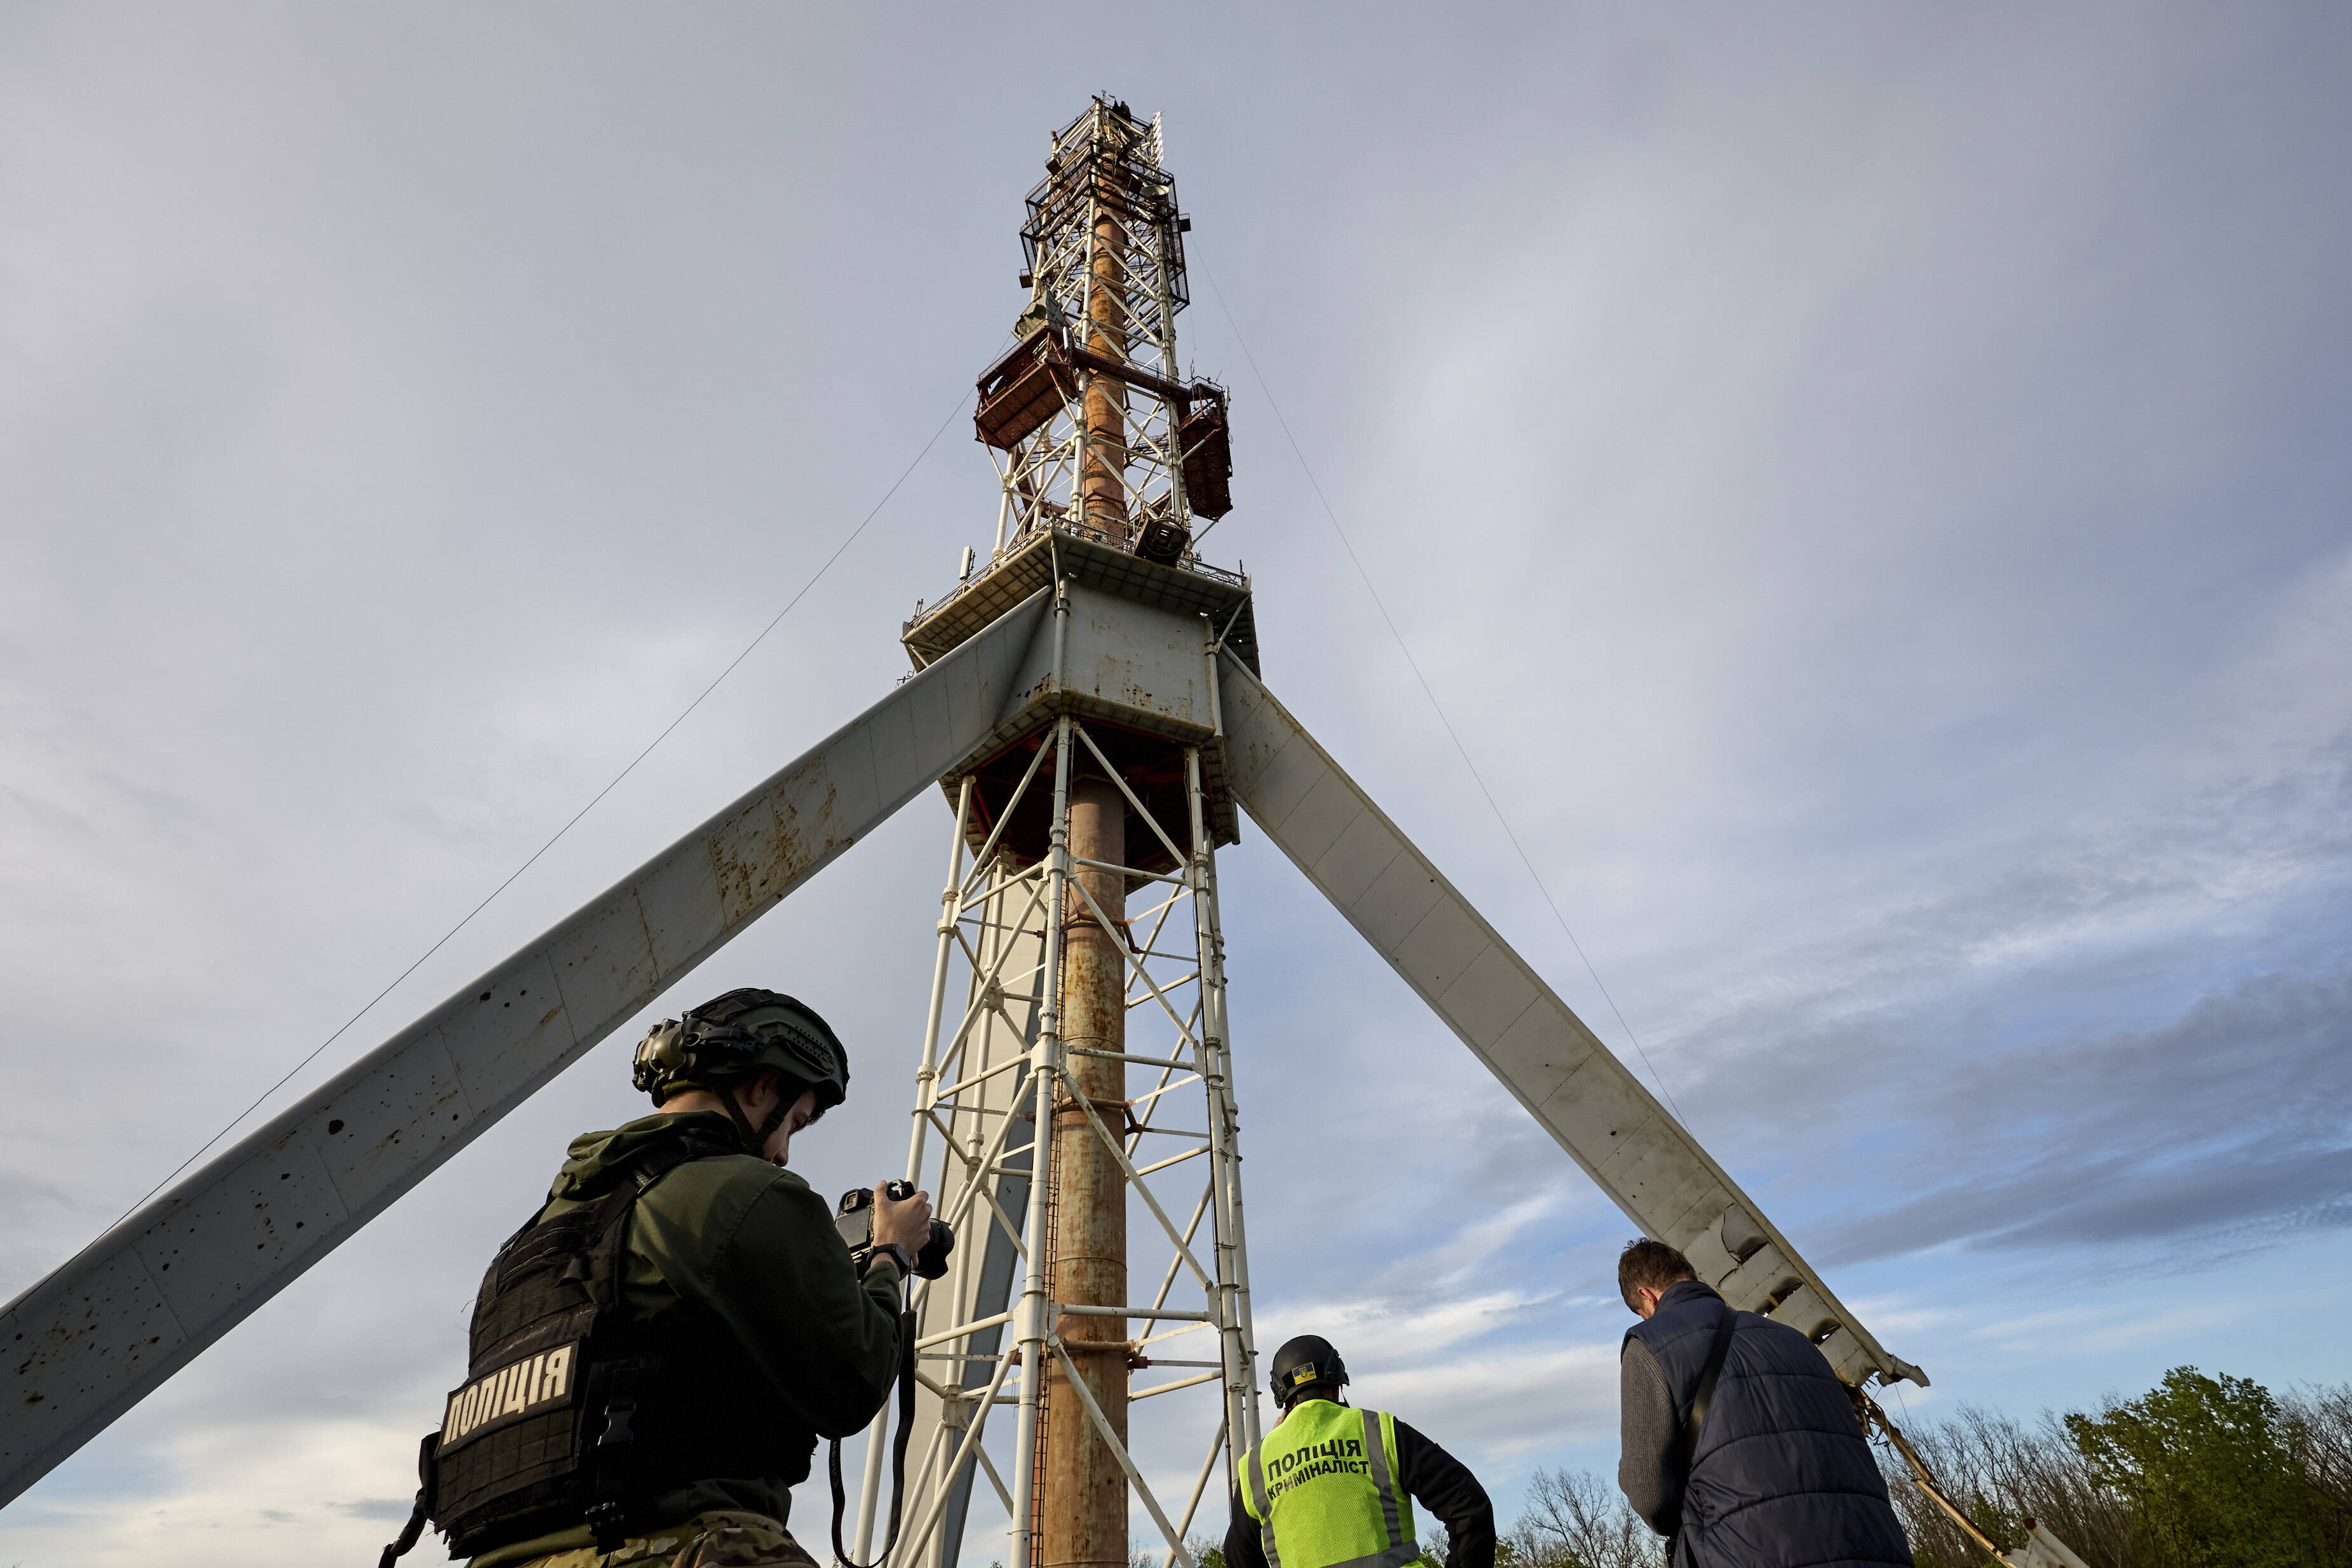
x=1649 y=1263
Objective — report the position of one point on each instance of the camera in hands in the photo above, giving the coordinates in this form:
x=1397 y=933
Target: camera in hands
x=855 y=1220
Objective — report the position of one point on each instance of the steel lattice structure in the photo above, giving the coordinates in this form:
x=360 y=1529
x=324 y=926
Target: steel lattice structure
x=1093 y=426
x=997 y=1068
x=1089 y=425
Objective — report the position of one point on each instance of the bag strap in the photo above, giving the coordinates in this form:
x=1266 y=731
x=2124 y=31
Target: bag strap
x=608 y=1223
x=1706 y=1391
x=1687 y=1438
x=638 y=1176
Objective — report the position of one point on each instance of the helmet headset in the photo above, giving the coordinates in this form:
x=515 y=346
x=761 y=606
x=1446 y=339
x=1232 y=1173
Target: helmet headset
x=1302 y=1363
x=731 y=1038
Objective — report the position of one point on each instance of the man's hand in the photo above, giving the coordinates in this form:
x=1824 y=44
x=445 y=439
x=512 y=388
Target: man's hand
x=907 y=1223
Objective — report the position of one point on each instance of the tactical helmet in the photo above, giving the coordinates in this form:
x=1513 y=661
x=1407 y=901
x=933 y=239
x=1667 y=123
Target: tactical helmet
x=731 y=1037
x=1301 y=1363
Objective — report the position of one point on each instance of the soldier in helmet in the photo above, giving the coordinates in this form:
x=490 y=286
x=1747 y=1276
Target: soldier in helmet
x=1333 y=1487
x=655 y=1353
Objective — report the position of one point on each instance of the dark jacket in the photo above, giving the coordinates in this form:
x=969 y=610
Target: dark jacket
x=729 y=1254
x=1782 y=1477
x=1432 y=1478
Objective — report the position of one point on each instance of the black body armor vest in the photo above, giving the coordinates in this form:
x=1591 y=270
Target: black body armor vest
x=571 y=1415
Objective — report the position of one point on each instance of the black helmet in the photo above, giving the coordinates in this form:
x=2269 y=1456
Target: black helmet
x=1303 y=1362
x=730 y=1037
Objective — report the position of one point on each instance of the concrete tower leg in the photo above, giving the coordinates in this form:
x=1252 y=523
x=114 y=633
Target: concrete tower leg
x=1084 y=1520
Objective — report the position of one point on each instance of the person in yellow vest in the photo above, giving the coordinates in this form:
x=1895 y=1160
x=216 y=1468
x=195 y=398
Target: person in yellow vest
x=1333 y=1487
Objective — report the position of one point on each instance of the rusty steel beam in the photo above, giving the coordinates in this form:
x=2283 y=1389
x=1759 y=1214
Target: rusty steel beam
x=110 y=1324
x=1082 y=1523
x=1135 y=375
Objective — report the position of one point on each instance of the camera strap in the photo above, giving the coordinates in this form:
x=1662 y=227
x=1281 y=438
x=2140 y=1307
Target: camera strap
x=898 y=1455
x=422 y=1514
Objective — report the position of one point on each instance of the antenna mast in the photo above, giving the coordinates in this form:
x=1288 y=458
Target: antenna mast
x=1080 y=918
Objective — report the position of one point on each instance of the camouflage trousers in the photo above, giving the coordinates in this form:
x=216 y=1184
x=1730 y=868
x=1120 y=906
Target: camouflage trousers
x=716 y=1540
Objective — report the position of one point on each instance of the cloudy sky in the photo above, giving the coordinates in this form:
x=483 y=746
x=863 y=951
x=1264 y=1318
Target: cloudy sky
x=1868 y=485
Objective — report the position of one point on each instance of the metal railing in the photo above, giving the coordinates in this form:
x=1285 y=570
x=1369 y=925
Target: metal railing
x=1069 y=528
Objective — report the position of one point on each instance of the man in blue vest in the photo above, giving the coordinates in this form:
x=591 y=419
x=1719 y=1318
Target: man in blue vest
x=1739 y=1442
x=1333 y=1487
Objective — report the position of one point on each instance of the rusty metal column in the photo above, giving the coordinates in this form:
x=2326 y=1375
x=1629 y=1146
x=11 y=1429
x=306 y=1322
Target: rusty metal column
x=1102 y=471
x=1083 y=1522
x=1044 y=1061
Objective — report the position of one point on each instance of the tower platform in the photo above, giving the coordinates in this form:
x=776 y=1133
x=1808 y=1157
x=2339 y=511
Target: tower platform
x=1132 y=650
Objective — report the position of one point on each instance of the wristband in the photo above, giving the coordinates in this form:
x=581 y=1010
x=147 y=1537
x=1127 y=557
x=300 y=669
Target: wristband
x=896 y=1253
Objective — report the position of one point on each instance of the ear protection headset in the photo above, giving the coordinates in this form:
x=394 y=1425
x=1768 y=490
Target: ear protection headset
x=711 y=1048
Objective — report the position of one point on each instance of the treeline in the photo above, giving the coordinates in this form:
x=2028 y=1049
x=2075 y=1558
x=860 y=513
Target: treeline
x=2199 y=1472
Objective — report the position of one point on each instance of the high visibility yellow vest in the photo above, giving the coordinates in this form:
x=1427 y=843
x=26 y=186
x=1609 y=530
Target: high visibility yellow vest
x=1323 y=1489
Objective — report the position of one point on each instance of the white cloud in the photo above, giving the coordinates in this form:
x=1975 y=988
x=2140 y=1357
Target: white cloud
x=246 y=1491
x=1500 y=1407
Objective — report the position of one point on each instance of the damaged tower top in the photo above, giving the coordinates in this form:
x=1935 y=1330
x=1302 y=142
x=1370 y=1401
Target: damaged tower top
x=1104 y=448
x=1111 y=464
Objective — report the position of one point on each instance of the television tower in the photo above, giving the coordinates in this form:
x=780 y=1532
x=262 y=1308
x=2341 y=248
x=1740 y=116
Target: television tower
x=1079 y=931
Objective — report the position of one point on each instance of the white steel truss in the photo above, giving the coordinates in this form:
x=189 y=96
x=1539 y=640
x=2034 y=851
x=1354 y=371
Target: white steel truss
x=995 y=1069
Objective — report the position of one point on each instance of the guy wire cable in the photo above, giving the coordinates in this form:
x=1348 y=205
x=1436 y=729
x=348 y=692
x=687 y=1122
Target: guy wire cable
x=818 y=577
x=1426 y=691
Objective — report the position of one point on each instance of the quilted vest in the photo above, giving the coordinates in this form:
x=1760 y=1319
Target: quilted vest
x=1782 y=1477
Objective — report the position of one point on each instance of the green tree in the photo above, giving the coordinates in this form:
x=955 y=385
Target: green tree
x=2213 y=1471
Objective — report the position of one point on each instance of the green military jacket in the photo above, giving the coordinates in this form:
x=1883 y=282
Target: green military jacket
x=734 y=1239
